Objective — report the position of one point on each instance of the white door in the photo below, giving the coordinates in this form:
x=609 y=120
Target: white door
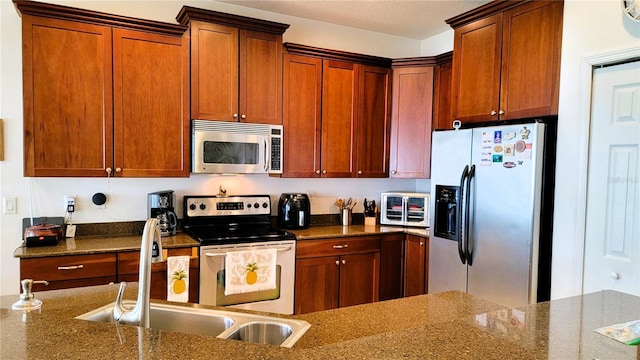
x=612 y=240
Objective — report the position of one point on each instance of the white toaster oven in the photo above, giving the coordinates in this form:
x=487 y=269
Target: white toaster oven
x=405 y=208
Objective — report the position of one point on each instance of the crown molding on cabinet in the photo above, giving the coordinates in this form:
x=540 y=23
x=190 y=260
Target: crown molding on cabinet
x=422 y=60
x=483 y=11
x=188 y=13
x=299 y=49
x=34 y=8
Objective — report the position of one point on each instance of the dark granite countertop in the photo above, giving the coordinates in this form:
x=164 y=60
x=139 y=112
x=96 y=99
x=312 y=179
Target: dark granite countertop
x=117 y=243
x=449 y=325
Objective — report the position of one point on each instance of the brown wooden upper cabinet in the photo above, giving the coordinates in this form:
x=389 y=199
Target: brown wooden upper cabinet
x=336 y=114
x=411 y=119
x=506 y=61
x=97 y=98
x=236 y=67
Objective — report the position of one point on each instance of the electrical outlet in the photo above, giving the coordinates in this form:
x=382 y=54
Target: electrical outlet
x=70 y=203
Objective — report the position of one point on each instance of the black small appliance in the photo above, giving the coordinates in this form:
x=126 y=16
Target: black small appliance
x=294 y=211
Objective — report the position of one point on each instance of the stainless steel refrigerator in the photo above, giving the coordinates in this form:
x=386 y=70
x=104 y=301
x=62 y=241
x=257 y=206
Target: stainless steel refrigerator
x=486 y=206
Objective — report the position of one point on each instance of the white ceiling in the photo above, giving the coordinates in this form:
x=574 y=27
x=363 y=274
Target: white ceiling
x=415 y=19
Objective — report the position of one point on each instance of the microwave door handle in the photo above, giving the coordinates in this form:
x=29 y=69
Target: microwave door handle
x=459 y=222
x=266 y=156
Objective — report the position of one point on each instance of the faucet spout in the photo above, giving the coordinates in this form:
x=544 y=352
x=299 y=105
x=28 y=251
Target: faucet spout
x=139 y=314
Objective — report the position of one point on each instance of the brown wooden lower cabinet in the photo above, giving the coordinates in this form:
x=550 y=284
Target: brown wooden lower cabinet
x=63 y=272
x=416 y=265
x=404 y=266
x=129 y=265
x=336 y=272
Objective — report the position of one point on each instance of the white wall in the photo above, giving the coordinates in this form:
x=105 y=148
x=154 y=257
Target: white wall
x=589 y=28
x=437 y=44
x=127 y=197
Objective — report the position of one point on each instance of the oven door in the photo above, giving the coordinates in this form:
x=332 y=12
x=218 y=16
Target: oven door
x=213 y=277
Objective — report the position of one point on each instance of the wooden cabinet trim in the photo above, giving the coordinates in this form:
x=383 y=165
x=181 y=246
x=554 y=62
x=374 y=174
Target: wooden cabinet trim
x=34 y=8
x=69 y=267
x=329 y=54
x=482 y=12
x=188 y=14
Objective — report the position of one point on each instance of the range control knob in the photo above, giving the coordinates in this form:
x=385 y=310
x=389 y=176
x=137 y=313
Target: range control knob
x=256 y=205
x=192 y=206
x=249 y=205
x=203 y=206
x=265 y=205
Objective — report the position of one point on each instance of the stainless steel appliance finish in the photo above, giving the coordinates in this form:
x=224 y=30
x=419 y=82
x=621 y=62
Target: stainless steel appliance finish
x=160 y=205
x=239 y=223
x=404 y=208
x=236 y=148
x=486 y=200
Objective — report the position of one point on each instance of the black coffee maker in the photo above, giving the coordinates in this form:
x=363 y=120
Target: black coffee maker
x=160 y=205
x=294 y=211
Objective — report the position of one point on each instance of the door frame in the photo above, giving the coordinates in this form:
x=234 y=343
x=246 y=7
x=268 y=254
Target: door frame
x=585 y=79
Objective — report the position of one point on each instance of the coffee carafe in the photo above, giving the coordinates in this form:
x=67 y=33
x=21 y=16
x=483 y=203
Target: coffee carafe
x=160 y=205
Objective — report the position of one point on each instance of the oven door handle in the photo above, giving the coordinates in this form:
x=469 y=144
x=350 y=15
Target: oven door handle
x=224 y=253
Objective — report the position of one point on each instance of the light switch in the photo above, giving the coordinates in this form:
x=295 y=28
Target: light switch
x=9 y=205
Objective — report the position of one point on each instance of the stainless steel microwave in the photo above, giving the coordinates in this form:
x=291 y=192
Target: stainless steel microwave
x=405 y=208
x=222 y=147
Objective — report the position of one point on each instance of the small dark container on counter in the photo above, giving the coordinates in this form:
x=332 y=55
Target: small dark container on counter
x=294 y=211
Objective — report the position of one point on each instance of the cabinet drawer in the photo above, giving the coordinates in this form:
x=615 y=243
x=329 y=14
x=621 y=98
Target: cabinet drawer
x=69 y=267
x=339 y=246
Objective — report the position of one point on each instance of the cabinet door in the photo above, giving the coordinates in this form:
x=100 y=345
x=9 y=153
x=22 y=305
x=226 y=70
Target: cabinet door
x=71 y=271
x=151 y=118
x=317 y=284
x=442 y=97
x=359 y=278
x=339 y=95
x=391 y=266
x=67 y=83
x=415 y=276
x=214 y=71
x=302 y=117
x=372 y=131
x=411 y=122
x=476 y=70
x=531 y=64
x=260 y=77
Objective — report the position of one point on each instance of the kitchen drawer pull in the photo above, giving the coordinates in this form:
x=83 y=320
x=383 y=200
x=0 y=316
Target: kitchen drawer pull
x=223 y=253
x=72 y=267
x=341 y=246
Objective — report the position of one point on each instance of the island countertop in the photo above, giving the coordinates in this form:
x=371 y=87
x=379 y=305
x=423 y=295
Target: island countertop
x=445 y=325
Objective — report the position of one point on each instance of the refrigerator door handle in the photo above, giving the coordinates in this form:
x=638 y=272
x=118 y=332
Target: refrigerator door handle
x=467 y=219
x=459 y=221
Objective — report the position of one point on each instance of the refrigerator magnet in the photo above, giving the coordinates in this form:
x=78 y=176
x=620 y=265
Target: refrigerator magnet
x=497 y=137
x=524 y=133
x=509 y=164
x=498 y=148
x=520 y=146
x=509 y=136
x=509 y=149
x=497 y=158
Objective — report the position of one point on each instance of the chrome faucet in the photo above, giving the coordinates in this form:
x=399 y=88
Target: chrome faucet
x=150 y=252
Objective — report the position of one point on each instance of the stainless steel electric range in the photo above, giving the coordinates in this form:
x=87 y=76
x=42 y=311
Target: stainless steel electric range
x=230 y=226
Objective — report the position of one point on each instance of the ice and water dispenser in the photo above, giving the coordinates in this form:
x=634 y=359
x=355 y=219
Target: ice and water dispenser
x=447 y=212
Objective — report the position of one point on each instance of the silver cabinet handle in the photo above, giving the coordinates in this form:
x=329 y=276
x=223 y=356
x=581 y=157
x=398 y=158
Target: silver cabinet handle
x=324 y=171
x=108 y=170
x=235 y=116
x=500 y=112
x=359 y=172
x=493 y=113
x=318 y=172
x=118 y=169
x=338 y=262
x=72 y=267
x=341 y=246
x=394 y=172
x=344 y=262
x=421 y=243
x=243 y=116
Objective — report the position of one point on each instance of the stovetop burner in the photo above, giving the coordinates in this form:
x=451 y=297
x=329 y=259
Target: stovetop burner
x=213 y=220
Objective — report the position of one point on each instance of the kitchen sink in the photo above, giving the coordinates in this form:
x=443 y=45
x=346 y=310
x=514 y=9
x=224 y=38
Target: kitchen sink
x=254 y=328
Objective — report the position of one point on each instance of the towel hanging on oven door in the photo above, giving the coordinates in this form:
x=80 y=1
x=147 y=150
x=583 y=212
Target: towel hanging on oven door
x=250 y=270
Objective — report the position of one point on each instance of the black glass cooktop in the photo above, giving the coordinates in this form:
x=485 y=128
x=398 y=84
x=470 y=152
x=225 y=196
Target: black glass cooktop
x=231 y=234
